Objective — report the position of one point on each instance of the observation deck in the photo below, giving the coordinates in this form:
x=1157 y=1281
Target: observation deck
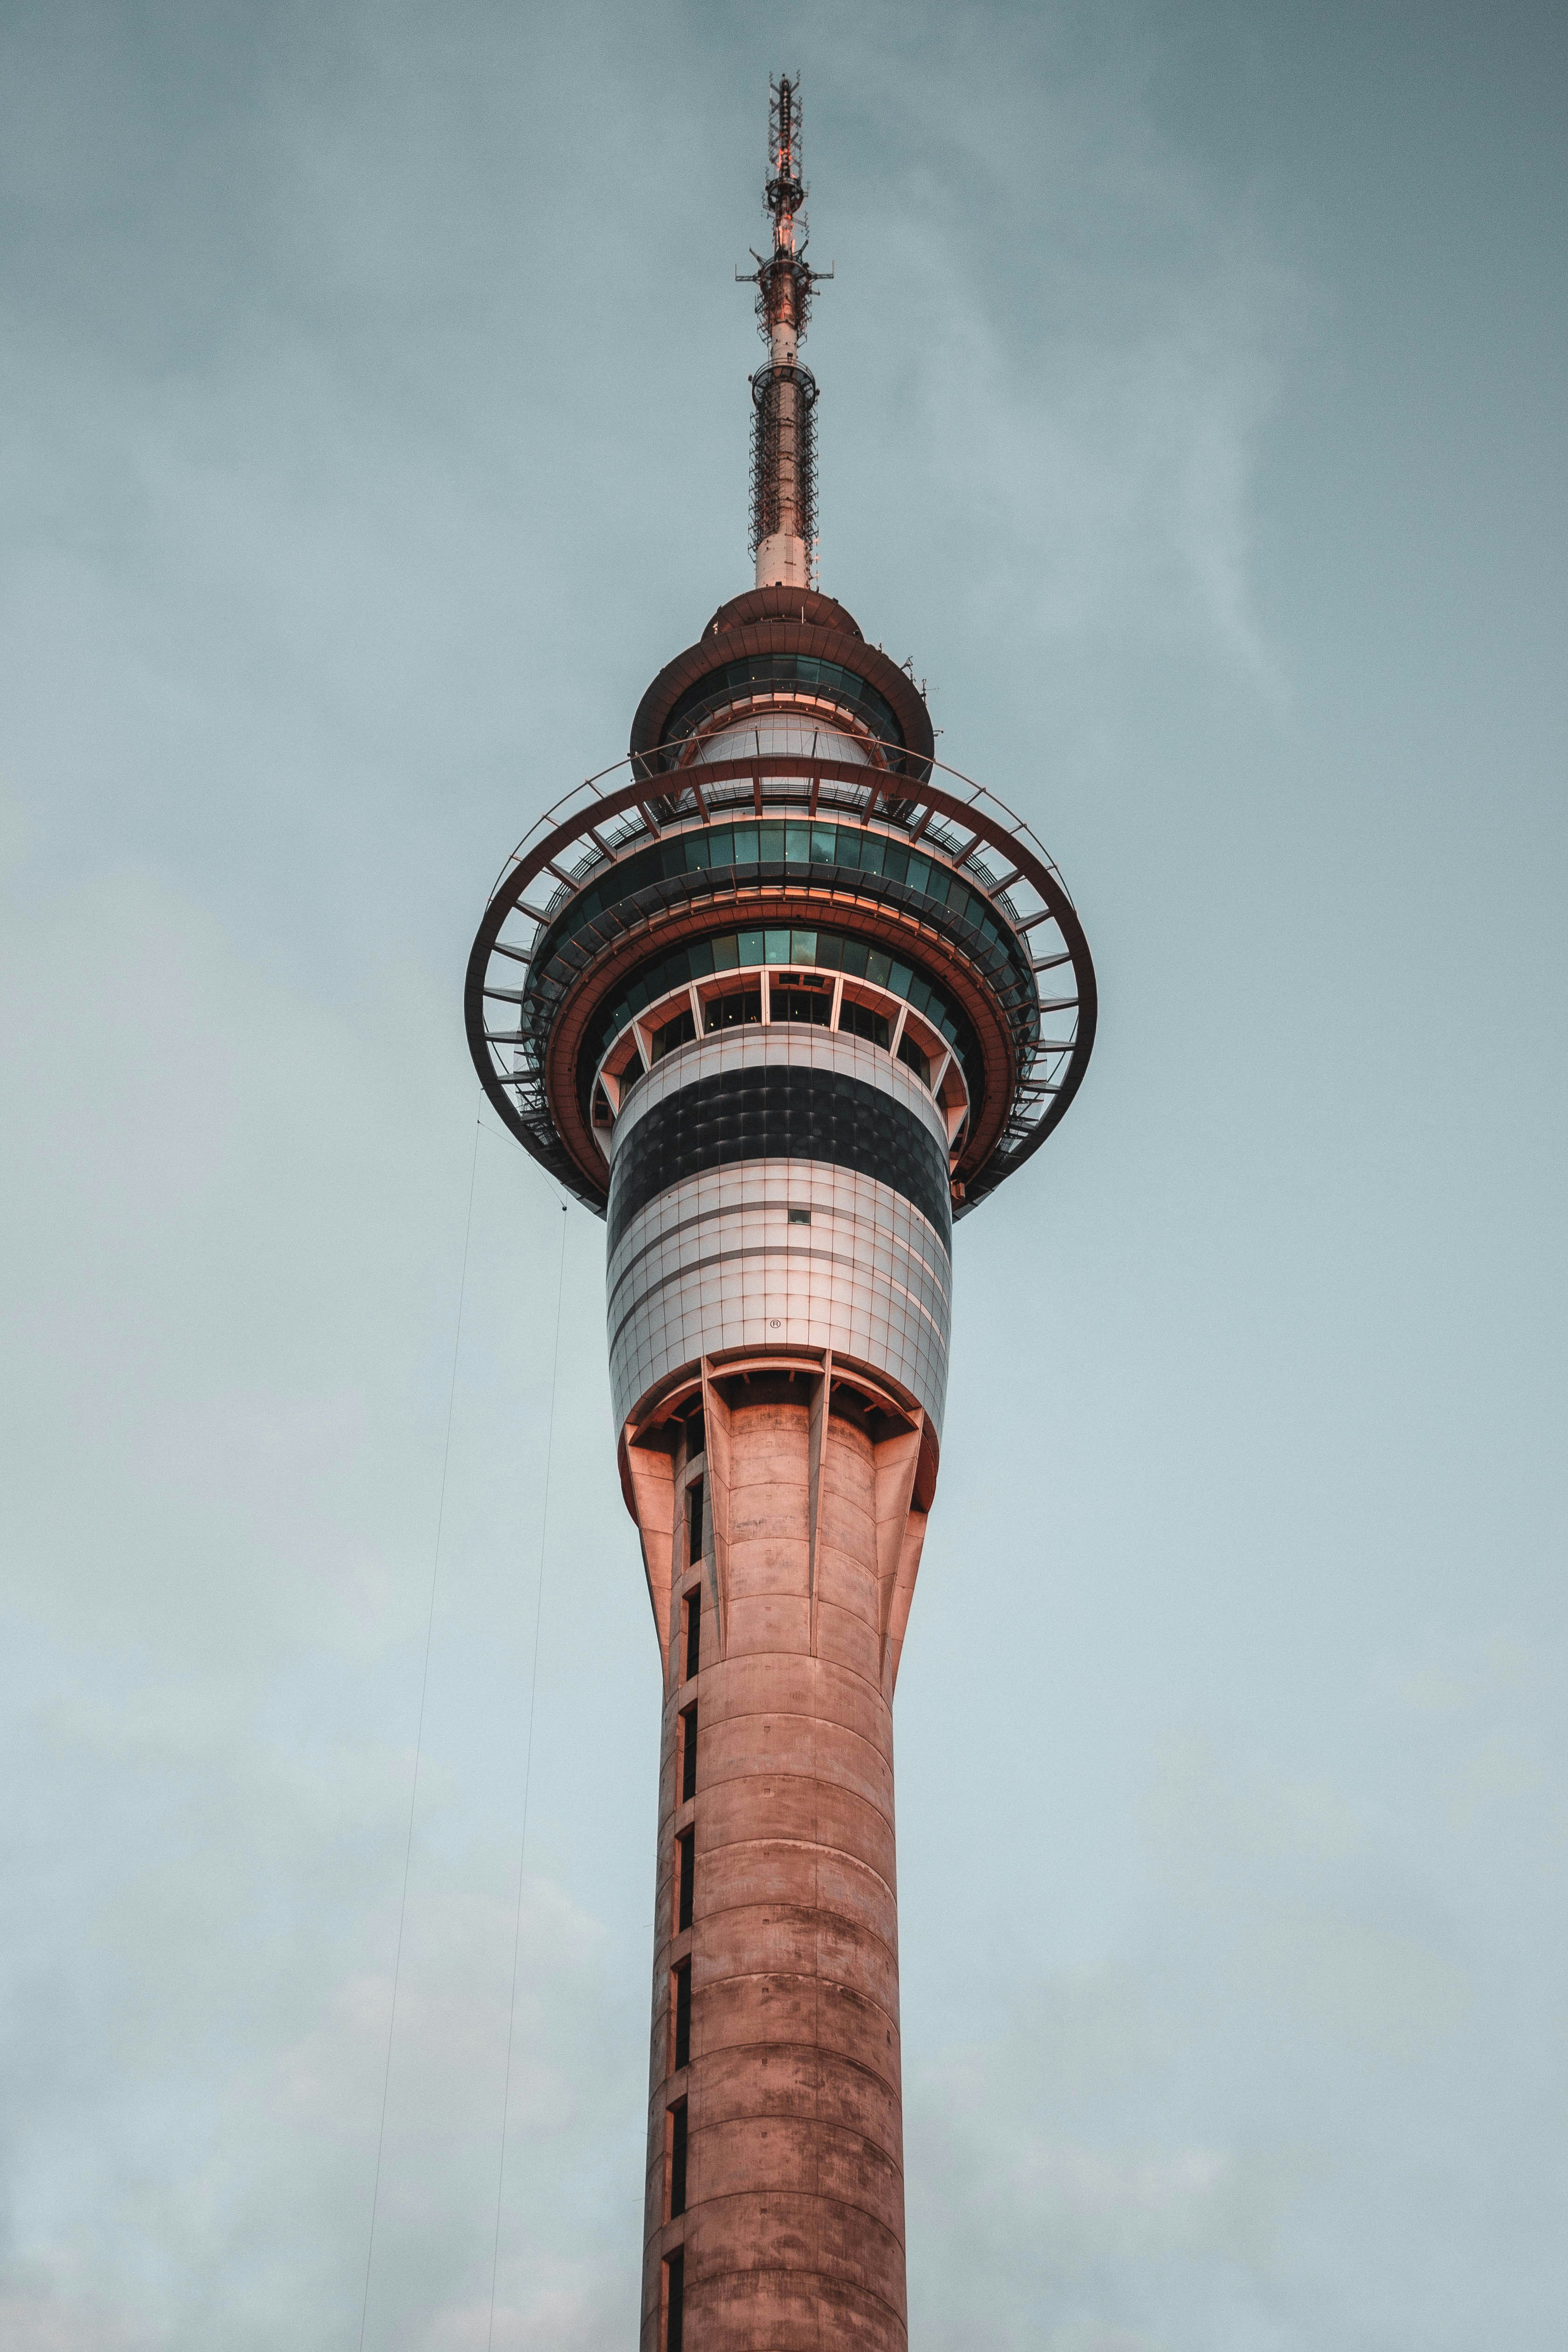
x=781 y=856
x=779 y=937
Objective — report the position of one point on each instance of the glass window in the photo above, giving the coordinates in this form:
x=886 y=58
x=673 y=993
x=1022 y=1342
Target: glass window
x=810 y=1006
x=913 y=1059
x=678 y=1032
x=931 y=880
x=862 y=1021
x=823 y=952
x=732 y=680
x=846 y=847
x=737 y=1010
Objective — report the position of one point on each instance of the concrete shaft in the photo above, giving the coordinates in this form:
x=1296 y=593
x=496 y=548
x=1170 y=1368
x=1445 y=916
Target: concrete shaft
x=791 y=2232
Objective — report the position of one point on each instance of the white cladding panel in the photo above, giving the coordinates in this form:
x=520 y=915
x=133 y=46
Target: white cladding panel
x=715 y=1262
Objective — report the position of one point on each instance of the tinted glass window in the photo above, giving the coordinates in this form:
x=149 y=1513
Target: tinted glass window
x=759 y=671
x=720 y=847
x=913 y=1059
x=678 y=1032
x=861 y=1020
x=828 y=950
x=801 y=1004
x=736 y=1010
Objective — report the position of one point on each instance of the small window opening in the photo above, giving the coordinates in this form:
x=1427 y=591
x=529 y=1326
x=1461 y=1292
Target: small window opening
x=675 y=2300
x=677 y=2159
x=736 y=1010
x=800 y=1216
x=688 y=1754
x=693 y=1633
x=913 y=1059
x=797 y=1004
x=694 y=1523
x=678 y=1032
x=685 y=1879
x=682 y=2035
x=861 y=1022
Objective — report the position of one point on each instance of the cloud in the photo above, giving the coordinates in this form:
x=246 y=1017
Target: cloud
x=193 y=2105
x=1025 y=2229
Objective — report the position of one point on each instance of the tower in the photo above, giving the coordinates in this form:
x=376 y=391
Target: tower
x=780 y=997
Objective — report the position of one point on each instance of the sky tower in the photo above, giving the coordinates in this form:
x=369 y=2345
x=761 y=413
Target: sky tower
x=780 y=997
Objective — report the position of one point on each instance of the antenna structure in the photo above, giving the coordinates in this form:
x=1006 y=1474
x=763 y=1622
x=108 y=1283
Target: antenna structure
x=784 y=392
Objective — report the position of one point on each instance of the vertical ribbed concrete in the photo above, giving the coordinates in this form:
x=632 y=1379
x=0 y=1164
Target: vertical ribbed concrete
x=792 y=2235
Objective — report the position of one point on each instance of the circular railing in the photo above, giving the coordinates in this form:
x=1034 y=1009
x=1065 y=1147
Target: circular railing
x=956 y=820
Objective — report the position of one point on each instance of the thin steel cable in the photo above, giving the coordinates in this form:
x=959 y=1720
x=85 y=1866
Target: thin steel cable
x=527 y=1781
x=419 y=1736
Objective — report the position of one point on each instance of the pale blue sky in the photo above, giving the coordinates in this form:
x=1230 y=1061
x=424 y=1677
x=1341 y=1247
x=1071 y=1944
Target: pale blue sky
x=374 y=427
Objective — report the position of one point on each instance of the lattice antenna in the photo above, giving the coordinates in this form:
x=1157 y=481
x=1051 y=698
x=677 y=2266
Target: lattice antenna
x=784 y=392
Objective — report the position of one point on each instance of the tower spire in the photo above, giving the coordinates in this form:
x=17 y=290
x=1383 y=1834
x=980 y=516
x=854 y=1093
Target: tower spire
x=784 y=392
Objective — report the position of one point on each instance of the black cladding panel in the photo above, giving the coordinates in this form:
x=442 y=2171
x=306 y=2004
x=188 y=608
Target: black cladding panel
x=782 y=1110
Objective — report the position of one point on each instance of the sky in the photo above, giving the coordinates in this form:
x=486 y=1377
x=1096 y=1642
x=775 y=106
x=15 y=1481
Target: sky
x=375 y=426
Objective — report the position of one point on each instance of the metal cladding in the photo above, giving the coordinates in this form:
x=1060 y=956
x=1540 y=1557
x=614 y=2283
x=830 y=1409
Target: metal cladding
x=780 y=1189
x=782 y=999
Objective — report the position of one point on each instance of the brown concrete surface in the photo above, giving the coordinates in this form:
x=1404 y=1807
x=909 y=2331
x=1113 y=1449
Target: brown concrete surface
x=794 y=2229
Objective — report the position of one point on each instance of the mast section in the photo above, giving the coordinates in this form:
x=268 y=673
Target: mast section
x=784 y=392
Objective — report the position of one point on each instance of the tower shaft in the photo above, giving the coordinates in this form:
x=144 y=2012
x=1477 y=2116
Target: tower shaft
x=774 y=2197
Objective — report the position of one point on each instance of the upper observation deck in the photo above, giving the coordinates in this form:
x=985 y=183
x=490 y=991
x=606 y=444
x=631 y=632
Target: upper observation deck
x=780 y=845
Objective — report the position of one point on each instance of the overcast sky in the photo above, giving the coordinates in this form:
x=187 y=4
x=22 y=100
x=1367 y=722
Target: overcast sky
x=374 y=426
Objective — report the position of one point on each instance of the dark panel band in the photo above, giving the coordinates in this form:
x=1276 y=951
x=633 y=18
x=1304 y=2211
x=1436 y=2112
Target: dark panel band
x=786 y=1111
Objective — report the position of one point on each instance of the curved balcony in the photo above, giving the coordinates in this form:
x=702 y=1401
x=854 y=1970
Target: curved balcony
x=1016 y=914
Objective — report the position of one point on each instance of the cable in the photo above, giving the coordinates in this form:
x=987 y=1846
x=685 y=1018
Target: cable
x=420 y=1738
x=527 y=1779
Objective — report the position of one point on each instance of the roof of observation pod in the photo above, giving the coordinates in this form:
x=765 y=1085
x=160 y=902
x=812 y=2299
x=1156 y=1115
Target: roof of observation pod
x=778 y=630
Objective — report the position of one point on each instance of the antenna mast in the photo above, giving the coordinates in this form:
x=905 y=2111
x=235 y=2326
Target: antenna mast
x=784 y=393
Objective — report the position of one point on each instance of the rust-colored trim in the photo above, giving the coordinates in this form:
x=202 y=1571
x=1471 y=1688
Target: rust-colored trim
x=776 y=633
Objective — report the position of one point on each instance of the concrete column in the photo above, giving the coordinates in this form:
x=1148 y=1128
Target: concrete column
x=792 y=2235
